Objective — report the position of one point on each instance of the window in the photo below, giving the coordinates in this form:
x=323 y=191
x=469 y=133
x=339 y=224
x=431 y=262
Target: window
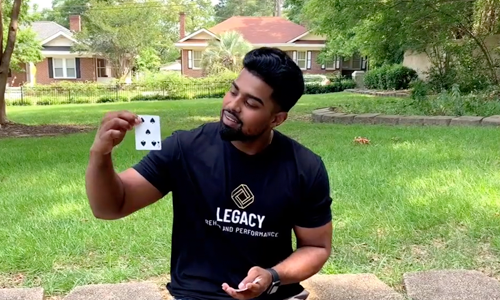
x=197 y=59
x=353 y=62
x=64 y=67
x=101 y=68
x=333 y=63
x=302 y=59
x=330 y=64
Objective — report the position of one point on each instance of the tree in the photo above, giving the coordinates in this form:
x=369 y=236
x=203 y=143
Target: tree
x=198 y=14
x=131 y=34
x=228 y=8
x=293 y=10
x=118 y=31
x=384 y=29
x=62 y=9
x=225 y=54
x=18 y=44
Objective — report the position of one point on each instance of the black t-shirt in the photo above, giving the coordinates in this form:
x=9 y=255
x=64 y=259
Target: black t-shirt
x=233 y=211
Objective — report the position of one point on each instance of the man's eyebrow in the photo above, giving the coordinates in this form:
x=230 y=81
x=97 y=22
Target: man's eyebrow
x=249 y=96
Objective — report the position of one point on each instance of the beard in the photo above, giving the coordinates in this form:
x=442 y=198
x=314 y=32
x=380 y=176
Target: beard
x=229 y=134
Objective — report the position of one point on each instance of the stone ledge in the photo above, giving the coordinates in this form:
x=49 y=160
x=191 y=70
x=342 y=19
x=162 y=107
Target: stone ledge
x=349 y=286
x=324 y=115
x=451 y=285
x=402 y=93
x=22 y=294
x=120 y=291
x=425 y=285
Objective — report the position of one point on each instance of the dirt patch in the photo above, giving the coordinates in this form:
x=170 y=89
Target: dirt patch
x=21 y=130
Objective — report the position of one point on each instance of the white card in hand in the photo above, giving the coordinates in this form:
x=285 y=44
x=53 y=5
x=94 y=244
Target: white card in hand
x=147 y=134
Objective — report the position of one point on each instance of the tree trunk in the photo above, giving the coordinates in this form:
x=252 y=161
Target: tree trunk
x=7 y=54
x=3 y=107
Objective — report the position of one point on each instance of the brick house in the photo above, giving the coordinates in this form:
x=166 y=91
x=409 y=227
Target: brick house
x=59 y=62
x=300 y=44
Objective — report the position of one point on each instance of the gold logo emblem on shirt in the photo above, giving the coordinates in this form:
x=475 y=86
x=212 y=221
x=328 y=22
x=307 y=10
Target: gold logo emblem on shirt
x=242 y=196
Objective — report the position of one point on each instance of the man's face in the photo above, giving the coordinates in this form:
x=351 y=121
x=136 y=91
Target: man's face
x=248 y=110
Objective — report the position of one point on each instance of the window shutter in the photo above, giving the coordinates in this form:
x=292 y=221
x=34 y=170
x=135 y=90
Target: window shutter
x=77 y=63
x=295 y=56
x=337 y=62
x=190 y=59
x=322 y=67
x=309 y=59
x=51 y=69
x=363 y=63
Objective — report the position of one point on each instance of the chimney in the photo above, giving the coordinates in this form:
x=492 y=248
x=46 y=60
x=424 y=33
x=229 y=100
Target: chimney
x=75 y=23
x=182 y=25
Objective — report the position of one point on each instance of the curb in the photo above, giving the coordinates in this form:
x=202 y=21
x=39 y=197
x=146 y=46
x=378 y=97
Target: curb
x=325 y=115
x=379 y=93
x=459 y=284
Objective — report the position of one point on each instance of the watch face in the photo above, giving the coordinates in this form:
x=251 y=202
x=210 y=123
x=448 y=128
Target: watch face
x=274 y=289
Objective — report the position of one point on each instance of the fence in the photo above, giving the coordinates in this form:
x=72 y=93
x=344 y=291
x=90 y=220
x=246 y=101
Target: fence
x=100 y=93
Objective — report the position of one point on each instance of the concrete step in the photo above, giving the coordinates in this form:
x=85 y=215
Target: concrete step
x=121 y=291
x=349 y=287
x=21 y=294
x=427 y=285
x=451 y=285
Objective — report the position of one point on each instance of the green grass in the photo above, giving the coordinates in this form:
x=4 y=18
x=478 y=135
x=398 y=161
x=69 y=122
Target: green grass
x=415 y=198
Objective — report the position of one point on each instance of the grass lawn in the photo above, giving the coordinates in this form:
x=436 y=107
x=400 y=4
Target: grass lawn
x=416 y=198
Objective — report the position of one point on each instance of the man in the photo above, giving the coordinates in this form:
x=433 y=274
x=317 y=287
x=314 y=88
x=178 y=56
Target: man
x=239 y=189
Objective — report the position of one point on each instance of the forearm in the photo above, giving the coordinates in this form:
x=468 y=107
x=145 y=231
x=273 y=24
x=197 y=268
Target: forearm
x=104 y=188
x=302 y=264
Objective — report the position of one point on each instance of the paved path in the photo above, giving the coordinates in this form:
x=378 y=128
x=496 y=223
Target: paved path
x=429 y=285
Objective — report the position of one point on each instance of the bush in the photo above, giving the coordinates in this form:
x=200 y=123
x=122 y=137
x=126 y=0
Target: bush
x=333 y=87
x=108 y=99
x=390 y=77
x=455 y=103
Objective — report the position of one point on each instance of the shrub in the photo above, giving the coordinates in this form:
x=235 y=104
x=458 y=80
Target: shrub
x=390 y=77
x=108 y=99
x=455 y=103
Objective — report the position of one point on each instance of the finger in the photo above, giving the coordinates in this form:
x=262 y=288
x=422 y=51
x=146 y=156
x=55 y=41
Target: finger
x=130 y=117
x=117 y=123
x=113 y=134
x=249 y=279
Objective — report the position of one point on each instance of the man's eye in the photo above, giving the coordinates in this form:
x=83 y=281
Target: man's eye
x=251 y=103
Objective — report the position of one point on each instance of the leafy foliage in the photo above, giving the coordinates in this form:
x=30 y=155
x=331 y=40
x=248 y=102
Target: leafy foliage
x=390 y=77
x=228 y=8
x=119 y=34
x=225 y=54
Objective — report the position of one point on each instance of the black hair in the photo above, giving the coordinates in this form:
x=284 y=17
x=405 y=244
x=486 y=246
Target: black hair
x=279 y=71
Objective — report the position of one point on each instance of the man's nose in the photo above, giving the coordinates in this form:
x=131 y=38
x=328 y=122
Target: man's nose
x=235 y=104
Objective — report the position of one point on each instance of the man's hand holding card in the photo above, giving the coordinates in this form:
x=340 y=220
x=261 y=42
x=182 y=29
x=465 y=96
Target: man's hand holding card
x=252 y=286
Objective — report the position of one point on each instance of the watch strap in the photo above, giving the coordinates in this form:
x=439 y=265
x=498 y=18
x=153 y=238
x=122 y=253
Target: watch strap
x=274 y=274
x=273 y=287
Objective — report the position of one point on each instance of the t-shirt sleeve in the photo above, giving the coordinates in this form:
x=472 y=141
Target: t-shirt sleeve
x=315 y=208
x=157 y=166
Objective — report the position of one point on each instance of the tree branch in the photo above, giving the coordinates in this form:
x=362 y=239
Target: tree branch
x=11 y=40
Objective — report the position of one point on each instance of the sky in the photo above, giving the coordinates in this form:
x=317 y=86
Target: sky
x=48 y=3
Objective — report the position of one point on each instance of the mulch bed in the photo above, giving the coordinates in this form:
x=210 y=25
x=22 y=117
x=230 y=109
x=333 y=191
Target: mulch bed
x=10 y=130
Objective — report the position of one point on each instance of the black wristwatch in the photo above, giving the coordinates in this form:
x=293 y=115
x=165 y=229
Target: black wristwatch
x=275 y=283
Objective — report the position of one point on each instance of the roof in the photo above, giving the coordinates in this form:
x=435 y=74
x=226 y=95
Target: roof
x=47 y=29
x=259 y=30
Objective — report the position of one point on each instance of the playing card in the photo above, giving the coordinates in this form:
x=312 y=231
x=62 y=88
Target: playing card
x=147 y=134
x=245 y=288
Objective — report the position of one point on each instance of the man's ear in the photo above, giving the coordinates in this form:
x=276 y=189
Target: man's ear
x=279 y=118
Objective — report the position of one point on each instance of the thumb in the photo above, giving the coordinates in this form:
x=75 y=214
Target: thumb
x=249 y=279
